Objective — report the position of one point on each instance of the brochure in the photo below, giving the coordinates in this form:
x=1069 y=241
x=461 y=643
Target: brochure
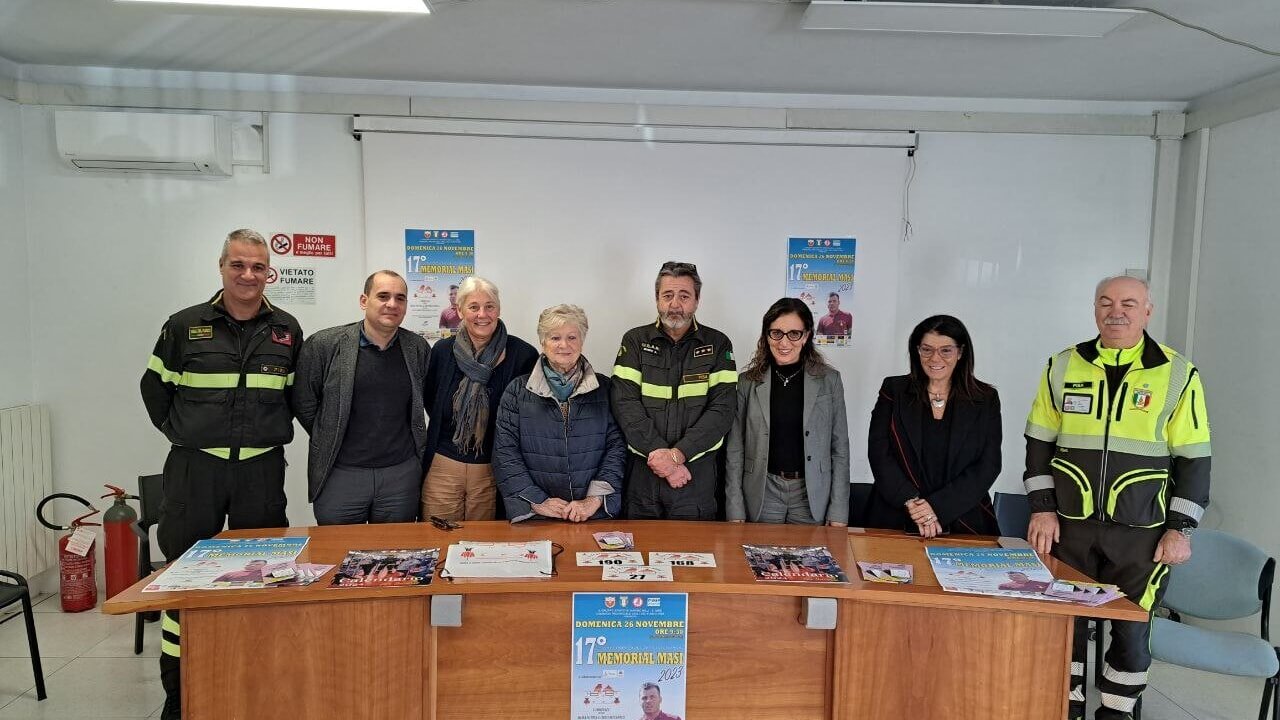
x=614 y=540
x=468 y=559
x=1002 y=572
x=784 y=563
x=1084 y=593
x=219 y=564
x=386 y=568
x=893 y=573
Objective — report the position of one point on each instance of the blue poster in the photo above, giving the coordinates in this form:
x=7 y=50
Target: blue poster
x=820 y=272
x=628 y=655
x=435 y=262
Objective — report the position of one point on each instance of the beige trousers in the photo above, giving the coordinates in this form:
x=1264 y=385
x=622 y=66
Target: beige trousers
x=458 y=491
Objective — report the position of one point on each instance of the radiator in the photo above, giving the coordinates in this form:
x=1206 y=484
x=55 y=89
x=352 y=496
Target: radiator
x=26 y=476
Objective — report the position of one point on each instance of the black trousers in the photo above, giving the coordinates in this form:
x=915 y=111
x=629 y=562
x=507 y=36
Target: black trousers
x=1120 y=555
x=201 y=494
x=649 y=497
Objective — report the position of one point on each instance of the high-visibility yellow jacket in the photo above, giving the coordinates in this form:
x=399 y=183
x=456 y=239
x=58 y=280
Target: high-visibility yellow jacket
x=224 y=386
x=677 y=395
x=1137 y=456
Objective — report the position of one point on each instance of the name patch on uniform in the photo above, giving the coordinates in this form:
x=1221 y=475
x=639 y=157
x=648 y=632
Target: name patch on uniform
x=1077 y=403
x=1078 y=385
x=695 y=377
x=274 y=370
x=704 y=351
x=649 y=348
x=200 y=332
x=282 y=337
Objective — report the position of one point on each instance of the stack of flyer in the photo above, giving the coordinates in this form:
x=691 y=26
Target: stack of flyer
x=239 y=563
x=1010 y=572
x=789 y=563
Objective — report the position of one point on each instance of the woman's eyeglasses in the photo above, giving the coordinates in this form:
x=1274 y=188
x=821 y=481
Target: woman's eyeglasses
x=946 y=352
x=792 y=335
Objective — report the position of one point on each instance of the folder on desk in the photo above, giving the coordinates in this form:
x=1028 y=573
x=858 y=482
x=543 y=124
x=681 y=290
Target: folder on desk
x=474 y=559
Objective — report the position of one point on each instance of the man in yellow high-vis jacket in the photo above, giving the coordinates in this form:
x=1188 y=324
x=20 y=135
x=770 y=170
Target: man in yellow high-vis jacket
x=1118 y=474
x=218 y=385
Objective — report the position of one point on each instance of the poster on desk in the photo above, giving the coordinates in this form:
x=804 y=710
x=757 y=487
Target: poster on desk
x=628 y=655
x=820 y=272
x=436 y=261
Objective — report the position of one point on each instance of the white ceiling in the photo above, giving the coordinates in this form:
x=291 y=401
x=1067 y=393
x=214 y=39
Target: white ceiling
x=701 y=45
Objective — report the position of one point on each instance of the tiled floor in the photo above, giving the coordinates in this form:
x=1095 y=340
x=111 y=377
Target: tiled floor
x=91 y=673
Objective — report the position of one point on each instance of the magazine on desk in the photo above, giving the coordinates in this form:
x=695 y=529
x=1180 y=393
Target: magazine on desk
x=1000 y=572
x=791 y=563
x=387 y=568
x=218 y=564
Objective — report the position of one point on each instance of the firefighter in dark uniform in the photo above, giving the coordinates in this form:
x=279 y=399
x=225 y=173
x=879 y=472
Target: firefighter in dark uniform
x=1118 y=475
x=218 y=386
x=673 y=396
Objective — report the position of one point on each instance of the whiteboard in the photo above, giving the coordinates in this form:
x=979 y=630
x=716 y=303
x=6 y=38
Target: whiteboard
x=1004 y=227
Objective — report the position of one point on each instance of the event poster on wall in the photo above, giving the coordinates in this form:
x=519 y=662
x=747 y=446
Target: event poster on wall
x=436 y=261
x=629 y=655
x=820 y=272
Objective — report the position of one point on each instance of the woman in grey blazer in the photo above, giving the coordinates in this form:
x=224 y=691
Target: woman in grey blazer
x=787 y=456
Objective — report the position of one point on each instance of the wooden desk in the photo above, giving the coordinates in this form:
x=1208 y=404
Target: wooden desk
x=898 y=651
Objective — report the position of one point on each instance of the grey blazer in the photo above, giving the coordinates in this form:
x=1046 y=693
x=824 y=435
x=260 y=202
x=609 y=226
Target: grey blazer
x=322 y=390
x=826 y=449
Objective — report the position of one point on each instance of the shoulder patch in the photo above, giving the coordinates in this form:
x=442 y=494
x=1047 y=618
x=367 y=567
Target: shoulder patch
x=622 y=351
x=728 y=354
x=200 y=332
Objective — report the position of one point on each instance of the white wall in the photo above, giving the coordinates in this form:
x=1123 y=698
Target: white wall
x=15 y=315
x=117 y=254
x=1236 y=331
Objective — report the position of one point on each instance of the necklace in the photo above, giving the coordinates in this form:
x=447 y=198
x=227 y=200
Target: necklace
x=937 y=399
x=786 y=378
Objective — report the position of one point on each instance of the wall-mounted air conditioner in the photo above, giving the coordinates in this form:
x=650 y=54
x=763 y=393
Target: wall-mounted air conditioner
x=166 y=143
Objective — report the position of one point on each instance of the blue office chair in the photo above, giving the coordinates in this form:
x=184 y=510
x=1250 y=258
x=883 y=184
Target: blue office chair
x=1013 y=513
x=1226 y=578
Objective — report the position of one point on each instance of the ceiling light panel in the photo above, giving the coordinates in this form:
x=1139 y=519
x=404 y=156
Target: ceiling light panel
x=420 y=7
x=911 y=17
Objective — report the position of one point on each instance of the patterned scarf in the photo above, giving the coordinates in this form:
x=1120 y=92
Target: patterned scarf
x=471 y=401
x=562 y=386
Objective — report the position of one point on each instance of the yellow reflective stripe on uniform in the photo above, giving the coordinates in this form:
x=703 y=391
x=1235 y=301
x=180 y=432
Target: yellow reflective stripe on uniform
x=1129 y=478
x=711 y=449
x=170 y=648
x=156 y=365
x=643 y=455
x=1148 y=599
x=170 y=624
x=662 y=392
x=691 y=390
x=627 y=373
x=722 y=376
x=289 y=380
x=1039 y=432
x=1086 y=494
x=1194 y=450
x=209 y=380
x=266 y=382
x=245 y=453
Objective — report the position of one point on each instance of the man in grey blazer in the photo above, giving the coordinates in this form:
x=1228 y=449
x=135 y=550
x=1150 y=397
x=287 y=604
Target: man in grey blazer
x=358 y=393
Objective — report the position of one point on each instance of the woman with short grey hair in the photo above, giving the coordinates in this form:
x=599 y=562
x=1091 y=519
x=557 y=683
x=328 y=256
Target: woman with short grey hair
x=558 y=452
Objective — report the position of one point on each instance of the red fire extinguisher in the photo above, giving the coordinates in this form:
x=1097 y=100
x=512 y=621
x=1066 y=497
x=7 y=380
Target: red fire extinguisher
x=121 y=551
x=77 y=580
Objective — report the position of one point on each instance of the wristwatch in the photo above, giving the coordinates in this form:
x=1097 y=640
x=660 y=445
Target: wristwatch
x=1187 y=531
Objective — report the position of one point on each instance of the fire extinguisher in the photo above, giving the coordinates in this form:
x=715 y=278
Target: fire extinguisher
x=77 y=581
x=121 y=551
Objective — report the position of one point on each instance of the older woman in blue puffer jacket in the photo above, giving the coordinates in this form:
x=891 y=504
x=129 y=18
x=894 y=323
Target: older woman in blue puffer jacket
x=557 y=452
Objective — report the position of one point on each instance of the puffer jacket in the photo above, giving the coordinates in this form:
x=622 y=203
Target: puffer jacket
x=543 y=448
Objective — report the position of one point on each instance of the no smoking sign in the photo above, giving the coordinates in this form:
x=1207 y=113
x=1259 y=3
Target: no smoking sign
x=281 y=244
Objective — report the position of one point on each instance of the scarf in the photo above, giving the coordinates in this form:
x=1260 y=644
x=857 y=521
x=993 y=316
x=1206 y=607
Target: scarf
x=471 y=401
x=562 y=386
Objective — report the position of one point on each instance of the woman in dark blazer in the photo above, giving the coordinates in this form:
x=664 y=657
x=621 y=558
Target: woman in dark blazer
x=934 y=443
x=787 y=455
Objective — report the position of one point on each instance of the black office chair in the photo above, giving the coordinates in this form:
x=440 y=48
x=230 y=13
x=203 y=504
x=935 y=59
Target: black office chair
x=859 y=498
x=15 y=592
x=150 y=498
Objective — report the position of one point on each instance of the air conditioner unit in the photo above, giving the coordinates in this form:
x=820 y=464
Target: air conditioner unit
x=166 y=143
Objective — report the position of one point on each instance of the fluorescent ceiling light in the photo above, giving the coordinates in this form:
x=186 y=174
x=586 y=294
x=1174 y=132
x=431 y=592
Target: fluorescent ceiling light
x=384 y=6
x=912 y=17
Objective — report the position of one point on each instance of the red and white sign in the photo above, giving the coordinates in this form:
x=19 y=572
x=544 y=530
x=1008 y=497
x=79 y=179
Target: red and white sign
x=281 y=244
x=315 y=245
